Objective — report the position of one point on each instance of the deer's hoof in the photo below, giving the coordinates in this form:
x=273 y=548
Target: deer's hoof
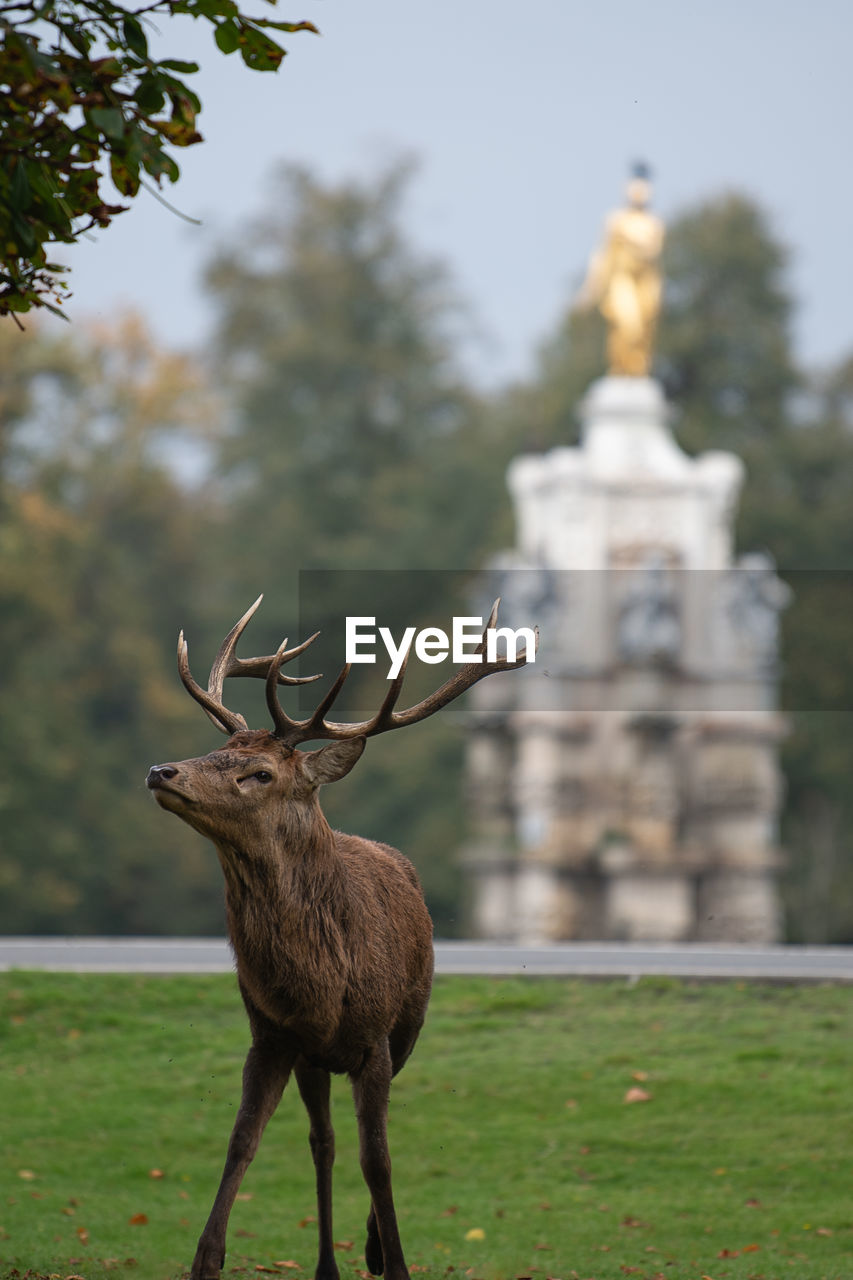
x=373 y=1255
x=207 y=1263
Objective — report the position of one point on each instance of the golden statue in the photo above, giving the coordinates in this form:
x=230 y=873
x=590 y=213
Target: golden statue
x=624 y=280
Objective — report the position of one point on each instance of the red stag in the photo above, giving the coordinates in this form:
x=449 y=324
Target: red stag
x=331 y=935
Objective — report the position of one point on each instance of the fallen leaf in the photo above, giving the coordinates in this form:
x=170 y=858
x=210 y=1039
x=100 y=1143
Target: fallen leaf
x=728 y=1253
x=476 y=1233
x=343 y=1244
x=82 y=1235
x=27 y=1175
x=753 y=1204
x=138 y=1220
x=755 y=1248
x=156 y=1173
x=304 y=1222
x=244 y=1195
x=821 y=1231
x=636 y=1094
x=639 y=1075
x=289 y=1264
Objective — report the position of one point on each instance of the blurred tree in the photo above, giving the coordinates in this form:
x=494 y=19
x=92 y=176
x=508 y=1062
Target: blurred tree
x=354 y=445
x=82 y=93
x=99 y=543
x=726 y=358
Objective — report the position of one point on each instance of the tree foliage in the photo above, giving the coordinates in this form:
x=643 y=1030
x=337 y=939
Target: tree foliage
x=83 y=95
x=354 y=445
x=99 y=544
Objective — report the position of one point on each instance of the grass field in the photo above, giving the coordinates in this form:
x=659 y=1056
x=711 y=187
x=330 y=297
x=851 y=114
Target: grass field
x=515 y=1150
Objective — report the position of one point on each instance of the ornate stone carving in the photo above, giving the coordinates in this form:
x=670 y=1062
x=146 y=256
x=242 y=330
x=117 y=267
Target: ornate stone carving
x=620 y=789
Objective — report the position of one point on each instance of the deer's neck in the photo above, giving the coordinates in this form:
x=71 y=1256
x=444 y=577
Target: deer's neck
x=283 y=893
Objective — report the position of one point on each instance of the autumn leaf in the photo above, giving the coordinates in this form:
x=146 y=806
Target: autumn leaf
x=289 y=1264
x=476 y=1233
x=156 y=1173
x=343 y=1244
x=82 y=1235
x=636 y=1094
x=27 y=1175
x=138 y=1220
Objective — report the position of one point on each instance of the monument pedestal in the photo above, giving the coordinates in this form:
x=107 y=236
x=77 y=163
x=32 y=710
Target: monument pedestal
x=632 y=772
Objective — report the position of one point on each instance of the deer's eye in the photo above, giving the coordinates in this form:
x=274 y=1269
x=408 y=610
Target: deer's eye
x=263 y=775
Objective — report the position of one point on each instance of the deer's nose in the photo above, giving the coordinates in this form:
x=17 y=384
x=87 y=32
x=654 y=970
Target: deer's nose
x=160 y=773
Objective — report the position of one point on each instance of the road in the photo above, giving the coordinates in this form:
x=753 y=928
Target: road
x=578 y=959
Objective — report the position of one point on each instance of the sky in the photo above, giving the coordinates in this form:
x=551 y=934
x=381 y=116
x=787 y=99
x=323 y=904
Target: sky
x=524 y=119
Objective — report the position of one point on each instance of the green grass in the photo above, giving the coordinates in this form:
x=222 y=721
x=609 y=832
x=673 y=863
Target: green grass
x=509 y=1122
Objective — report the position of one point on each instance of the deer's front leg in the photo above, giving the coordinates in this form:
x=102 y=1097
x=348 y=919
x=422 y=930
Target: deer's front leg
x=264 y=1076
x=370 y=1091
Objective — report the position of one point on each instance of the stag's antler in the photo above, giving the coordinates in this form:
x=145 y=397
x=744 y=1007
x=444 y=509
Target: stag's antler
x=290 y=731
x=226 y=663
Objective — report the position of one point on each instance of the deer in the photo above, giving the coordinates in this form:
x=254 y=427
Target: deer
x=330 y=932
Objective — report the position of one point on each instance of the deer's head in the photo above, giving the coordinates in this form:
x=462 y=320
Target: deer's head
x=241 y=789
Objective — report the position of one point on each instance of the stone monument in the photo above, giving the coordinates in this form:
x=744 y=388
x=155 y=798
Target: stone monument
x=627 y=785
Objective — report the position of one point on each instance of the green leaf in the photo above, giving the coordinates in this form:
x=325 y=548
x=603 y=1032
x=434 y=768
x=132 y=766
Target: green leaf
x=135 y=36
x=19 y=191
x=108 y=119
x=259 y=51
x=125 y=176
x=173 y=64
x=150 y=95
x=227 y=36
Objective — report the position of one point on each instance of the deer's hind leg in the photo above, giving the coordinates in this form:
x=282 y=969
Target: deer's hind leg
x=314 y=1085
x=371 y=1086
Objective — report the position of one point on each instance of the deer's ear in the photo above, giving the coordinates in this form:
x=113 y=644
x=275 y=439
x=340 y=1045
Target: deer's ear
x=332 y=762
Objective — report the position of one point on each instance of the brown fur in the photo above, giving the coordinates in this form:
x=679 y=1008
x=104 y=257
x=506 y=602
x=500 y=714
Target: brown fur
x=333 y=944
